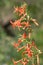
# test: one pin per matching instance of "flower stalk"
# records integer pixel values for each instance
(28, 54)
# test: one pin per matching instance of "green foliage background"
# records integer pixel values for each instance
(6, 12)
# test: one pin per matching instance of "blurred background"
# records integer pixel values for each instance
(8, 35)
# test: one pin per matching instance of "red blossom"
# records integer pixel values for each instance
(16, 9)
(16, 23)
(12, 23)
(14, 62)
(26, 24)
(29, 51)
(33, 44)
(24, 61)
(19, 40)
(24, 35)
(15, 45)
(21, 10)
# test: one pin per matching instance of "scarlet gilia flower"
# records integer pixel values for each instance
(16, 23)
(24, 35)
(21, 10)
(30, 54)
(12, 23)
(14, 62)
(33, 44)
(19, 40)
(29, 51)
(24, 61)
(16, 9)
(16, 45)
(25, 24)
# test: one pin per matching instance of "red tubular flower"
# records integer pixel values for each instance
(15, 45)
(21, 11)
(14, 62)
(13, 24)
(24, 35)
(33, 44)
(25, 24)
(16, 23)
(24, 61)
(16, 9)
(30, 54)
(19, 40)
(29, 51)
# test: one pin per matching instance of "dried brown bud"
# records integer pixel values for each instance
(35, 22)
